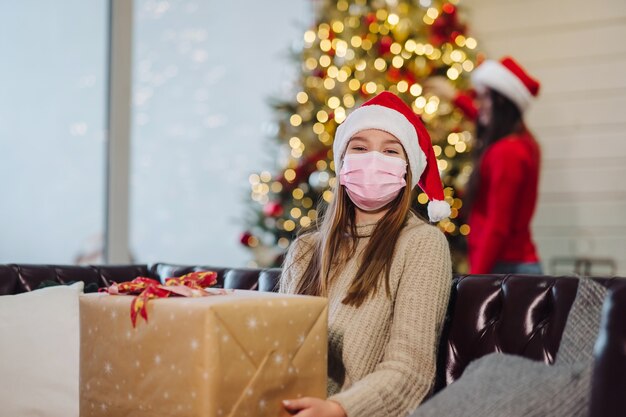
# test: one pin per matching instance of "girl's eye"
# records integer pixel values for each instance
(358, 148)
(392, 151)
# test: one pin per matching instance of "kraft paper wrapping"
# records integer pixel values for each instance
(225, 355)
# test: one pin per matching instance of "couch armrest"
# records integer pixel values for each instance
(608, 388)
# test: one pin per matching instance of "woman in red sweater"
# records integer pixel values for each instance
(502, 190)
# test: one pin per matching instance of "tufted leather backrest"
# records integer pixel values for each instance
(269, 279)
(15, 279)
(518, 314)
(232, 278)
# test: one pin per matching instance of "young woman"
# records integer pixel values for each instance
(503, 187)
(386, 272)
(502, 190)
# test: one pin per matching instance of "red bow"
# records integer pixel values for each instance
(189, 285)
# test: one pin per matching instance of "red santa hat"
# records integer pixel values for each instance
(508, 78)
(389, 113)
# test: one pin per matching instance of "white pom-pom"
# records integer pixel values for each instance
(438, 210)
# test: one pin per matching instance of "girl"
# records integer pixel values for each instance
(502, 190)
(503, 186)
(386, 272)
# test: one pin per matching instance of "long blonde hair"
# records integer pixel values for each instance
(336, 242)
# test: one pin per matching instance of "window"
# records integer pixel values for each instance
(53, 75)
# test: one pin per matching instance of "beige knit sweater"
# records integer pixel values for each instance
(382, 355)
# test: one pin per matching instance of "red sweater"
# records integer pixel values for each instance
(501, 214)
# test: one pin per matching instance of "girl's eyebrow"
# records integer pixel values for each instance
(392, 141)
(358, 138)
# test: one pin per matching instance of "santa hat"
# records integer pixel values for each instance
(508, 78)
(389, 113)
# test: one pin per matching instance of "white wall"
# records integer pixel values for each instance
(577, 49)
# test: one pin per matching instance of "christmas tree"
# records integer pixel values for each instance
(355, 50)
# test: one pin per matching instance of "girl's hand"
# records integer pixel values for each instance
(313, 407)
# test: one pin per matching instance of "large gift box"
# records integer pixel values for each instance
(232, 355)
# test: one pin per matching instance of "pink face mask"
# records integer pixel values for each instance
(372, 179)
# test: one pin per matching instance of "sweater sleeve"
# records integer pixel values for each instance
(406, 373)
(504, 171)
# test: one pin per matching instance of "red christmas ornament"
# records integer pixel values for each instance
(448, 8)
(245, 238)
(394, 74)
(319, 73)
(273, 209)
(370, 18)
(385, 45)
(447, 26)
(410, 78)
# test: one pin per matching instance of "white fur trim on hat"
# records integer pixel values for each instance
(385, 119)
(438, 210)
(496, 76)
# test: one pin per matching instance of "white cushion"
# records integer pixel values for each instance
(39, 352)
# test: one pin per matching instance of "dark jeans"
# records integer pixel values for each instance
(530, 268)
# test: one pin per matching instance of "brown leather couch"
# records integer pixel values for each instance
(517, 314)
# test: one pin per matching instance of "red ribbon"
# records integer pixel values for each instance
(144, 289)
